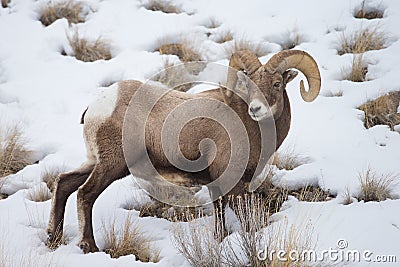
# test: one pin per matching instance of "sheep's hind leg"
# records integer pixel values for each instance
(102, 176)
(66, 184)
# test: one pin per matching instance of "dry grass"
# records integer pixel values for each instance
(50, 174)
(73, 11)
(288, 159)
(295, 38)
(197, 241)
(183, 50)
(200, 244)
(224, 37)
(382, 111)
(377, 187)
(243, 44)
(363, 40)
(179, 200)
(39, 193)
(363, 12)
(163, 6)
(213, 23)
(128, 240)
(87, 50)
(347, 197)
(174, 76)
(14, 155)
(357, 72)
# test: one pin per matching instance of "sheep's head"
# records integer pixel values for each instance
(255, 82)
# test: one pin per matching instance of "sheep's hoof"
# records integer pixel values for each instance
(86, 247)
(53, 241)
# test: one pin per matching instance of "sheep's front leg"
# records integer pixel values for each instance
(102, 176)
(66, 184)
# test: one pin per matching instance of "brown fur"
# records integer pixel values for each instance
(106, 162)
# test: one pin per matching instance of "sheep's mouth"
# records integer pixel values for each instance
(259, 117)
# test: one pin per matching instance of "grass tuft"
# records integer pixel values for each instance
(382, 111)
(128, 240)
(87, 50)
(163, 6)
(377, 187)
(243, 44)
(71, 10)
(362, 41)
(49, 176)
(357, 72)
(294, 39)
(224, 37)
(14, 156)
(183, 50)
(364, 12)
(288, 159)
(39, 193)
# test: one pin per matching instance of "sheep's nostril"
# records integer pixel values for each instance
(255, 109)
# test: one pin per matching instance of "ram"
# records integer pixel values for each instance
(103, 128)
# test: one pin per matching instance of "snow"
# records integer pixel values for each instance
(46, 93)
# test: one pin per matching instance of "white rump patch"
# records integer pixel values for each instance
(104, 106)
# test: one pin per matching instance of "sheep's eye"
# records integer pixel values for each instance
(277, 85)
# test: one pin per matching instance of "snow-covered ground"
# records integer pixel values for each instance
(46, 93)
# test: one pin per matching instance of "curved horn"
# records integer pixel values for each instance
(302, 61)
(241, 60)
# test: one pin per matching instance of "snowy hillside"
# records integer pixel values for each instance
(44, 89)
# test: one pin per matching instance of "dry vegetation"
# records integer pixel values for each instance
(200, 244)
(224, 37)
(243, 44)
(295, 38)
(183, 50)
(14, 155)
(88, 50)
(49, 175)
(377, 187)
(382, 111)
(174, 76)
(288, 159)
(71, 10)
(362, 41)
(369, 13)
(39, 193)
(163, 6)
(357, 72)
(128, 239)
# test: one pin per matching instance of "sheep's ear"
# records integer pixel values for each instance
(289, 75)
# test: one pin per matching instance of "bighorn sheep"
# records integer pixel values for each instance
(103, 131)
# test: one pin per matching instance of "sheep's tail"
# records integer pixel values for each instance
(83, 116)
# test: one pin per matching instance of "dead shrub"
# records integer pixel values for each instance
(39, 193)
(128, 239)
(375, 186)
(71, 10)
(382, 111)
(363, 40)
(49, 176)
(163, 6)
(243, 44)
(358, 70)
(14, 156)
(365, 12)
(87, 50)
